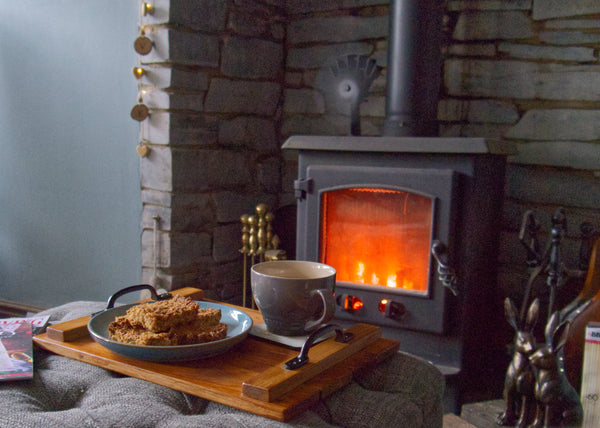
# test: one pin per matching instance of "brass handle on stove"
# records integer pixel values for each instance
(445, 272)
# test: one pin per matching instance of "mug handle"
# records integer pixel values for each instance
(328, 308)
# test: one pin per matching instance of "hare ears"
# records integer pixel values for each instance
(530, 320)
(511, 313)
(557, 334)
(532, 314)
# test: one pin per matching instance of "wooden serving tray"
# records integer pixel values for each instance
(250, 376)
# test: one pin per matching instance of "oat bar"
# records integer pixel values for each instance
(178, 321)
(160, 316)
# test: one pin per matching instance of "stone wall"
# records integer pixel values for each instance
(524, 71)
(213, 83)
(528, 72)
(227, 81)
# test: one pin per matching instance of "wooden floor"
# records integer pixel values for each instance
(480, 415)
(453, 421)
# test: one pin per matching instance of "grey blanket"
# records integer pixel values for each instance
(404, 391)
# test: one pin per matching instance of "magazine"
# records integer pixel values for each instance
(16, 346)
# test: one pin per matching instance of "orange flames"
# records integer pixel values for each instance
(377, 237)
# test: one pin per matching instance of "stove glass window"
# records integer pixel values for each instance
(377, 237)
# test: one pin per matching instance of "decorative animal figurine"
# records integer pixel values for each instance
(520, 381)
(558, 403)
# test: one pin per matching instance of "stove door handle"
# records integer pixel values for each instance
(445, 272)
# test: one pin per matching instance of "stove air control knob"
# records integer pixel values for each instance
(349, 303)
(393, 310)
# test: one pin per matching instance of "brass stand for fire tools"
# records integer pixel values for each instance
(259, 243)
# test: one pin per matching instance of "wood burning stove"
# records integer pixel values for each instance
(411, 226)
(411, 221)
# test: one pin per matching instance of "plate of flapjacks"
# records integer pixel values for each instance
(172, 330)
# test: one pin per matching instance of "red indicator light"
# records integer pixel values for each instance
(356, 303)
(349, 303)
(382, 305)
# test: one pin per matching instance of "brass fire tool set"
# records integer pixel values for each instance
(259, 243)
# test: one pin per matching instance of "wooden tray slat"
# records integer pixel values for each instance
(277, 380)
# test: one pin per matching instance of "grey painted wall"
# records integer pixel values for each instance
(69, 173)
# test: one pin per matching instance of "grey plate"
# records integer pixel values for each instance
(238, 326)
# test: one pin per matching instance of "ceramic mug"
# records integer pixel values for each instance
(293, 296)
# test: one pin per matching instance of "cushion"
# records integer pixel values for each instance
(402, 391)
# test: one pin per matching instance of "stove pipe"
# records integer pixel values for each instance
(414, 68)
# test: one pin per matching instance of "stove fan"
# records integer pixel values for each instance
(352, 77)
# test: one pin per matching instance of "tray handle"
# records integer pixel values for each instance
(155, 296)
(302, 358)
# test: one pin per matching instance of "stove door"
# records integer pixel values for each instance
(378, 237)
(376, 225)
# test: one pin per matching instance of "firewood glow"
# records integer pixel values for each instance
(377, 237)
